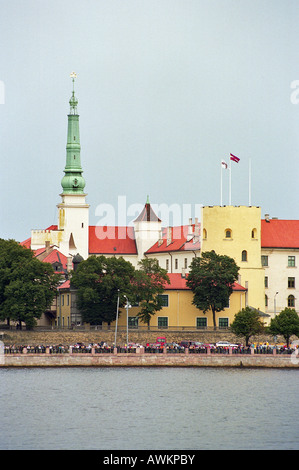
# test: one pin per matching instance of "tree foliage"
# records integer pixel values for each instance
(98, 281)
(286, 323)
(27, 285)
(247, 323)
(211, 280)
(150, 282)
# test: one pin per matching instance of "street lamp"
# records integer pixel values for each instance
(127, 307)
(116, 316)
(275, 304)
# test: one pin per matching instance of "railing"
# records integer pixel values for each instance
(95, 349)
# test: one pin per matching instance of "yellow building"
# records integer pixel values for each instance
(64, 302)
(236, 232)
(179, 312)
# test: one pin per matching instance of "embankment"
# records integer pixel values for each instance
(149, 360)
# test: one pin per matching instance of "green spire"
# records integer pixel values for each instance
(73, 181)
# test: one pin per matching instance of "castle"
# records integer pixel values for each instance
(265, 250)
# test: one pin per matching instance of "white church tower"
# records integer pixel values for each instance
(73, 211)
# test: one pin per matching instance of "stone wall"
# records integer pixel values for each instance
(68, 337)
(149, 360)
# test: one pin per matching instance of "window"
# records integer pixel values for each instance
(186, 263)
(163, 322)
(167, 264)
(291, 301)
(291, 261)
(133, 323)
(266, 281)
(68, 299)
(265, 260)
(201, 323)
(176, 263)
(164, 299)
(254, 233)
(266, 301)
(291, 282)
(244, 255)
(223, 322)
(204, 234)
(228, 233)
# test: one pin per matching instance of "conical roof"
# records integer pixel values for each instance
(147, 214)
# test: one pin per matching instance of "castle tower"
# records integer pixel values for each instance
(236, 232)
(73, 217)
(147, 228)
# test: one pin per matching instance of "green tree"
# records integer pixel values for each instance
(211, 280)
(247, 323)
(98, 281)
(150, 282)
(27, 285)
(286, 323)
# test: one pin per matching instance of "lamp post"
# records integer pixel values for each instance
(116, 316)
(127, 307)
(275, 304)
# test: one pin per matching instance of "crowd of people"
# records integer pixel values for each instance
(103, 347)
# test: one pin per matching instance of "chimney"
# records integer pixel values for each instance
(190, 230)
(160, 241)
(196, 231)
(47, 245)
(267, 217)
(169, 236)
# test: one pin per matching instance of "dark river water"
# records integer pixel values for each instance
(149, 408)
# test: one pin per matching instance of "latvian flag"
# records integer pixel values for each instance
(234, 158)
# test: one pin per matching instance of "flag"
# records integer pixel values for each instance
(234, 158)
(224, 164)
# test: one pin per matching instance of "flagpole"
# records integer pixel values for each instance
(249, 183)
(221, 183)
(230, 182)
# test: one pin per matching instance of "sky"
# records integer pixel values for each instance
(167, 89)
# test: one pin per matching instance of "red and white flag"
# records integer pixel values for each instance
(224, 164)
(234, 158)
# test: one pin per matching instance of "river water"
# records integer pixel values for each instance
(149, 408)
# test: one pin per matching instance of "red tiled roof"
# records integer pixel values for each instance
(26, 243)
(56, 256)
(177, 282)
(112, 240)
(179, 241)
(65, 285)
(280, 233)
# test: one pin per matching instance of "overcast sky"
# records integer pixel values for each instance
(166, 89)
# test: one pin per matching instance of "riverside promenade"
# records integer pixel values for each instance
(142, 359)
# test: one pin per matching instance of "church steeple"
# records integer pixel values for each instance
(73, 181)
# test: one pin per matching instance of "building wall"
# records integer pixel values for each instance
(278, 273)
(180, 311)
(174, 262)
(74, 220)
(244, 225)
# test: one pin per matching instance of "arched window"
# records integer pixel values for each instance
(291, 301)
(204, 234)
(266, 301)
(244, 255)
(228, 233)
(254, 233)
